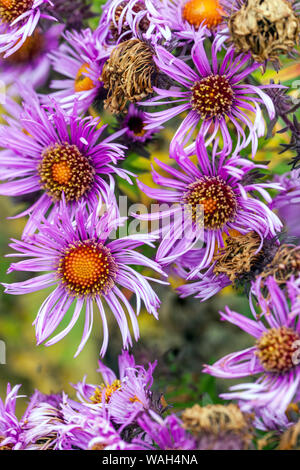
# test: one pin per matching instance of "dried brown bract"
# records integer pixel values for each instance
(129, 74)
(238, 256)
(286, 263)
(266, 28)
(219, 426)
(290, 440)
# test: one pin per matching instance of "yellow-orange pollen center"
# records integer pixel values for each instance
(212, 96)
(88, 268)
(215, 197)
(12, 9)
(199, 11)
(108, 391)
(276, 349)
(64, 169)
(82, 81)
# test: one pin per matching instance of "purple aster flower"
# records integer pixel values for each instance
(88, 269)
(287, 202)
(213, 94)
(57, 153)
(125, 397)
(274, 358)
(168, 433)
(19, 18)
(43, 421)
(81, 60)
(220, 189)
(186, 18)
(84, 430)
(10, 427)
(30, 63)
(133, 125)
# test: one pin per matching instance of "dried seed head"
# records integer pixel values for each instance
(219, 426)
(266, 28)
(129, 74)
(238, 256)
(290, 440)
(285, 264)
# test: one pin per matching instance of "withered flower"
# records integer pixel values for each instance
(266, 28)
(290, 440)
(129, 74)
(219, 427)
(285, 264)
(242, 259)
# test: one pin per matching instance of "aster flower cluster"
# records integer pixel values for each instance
(120, 414)
(85, 103)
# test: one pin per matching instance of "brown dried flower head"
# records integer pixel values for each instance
(290, 440)
(266, 28)
(129, 74)
(285, 264)
(238, 256)
(219, 426)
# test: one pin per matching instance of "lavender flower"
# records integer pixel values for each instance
(123, 397)
(81, 60)
(88, 269)
(60, 154)
(216, 185)
(186, 18)
(274, 357)
(168, 433)
(125, 19)
(213, 94)
(10, 427)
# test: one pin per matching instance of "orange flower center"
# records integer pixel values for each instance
(61, 172)
(207, 11)
(82, 81)
(64, 169)
(215, 197)
(12, 9)
(88, 268)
